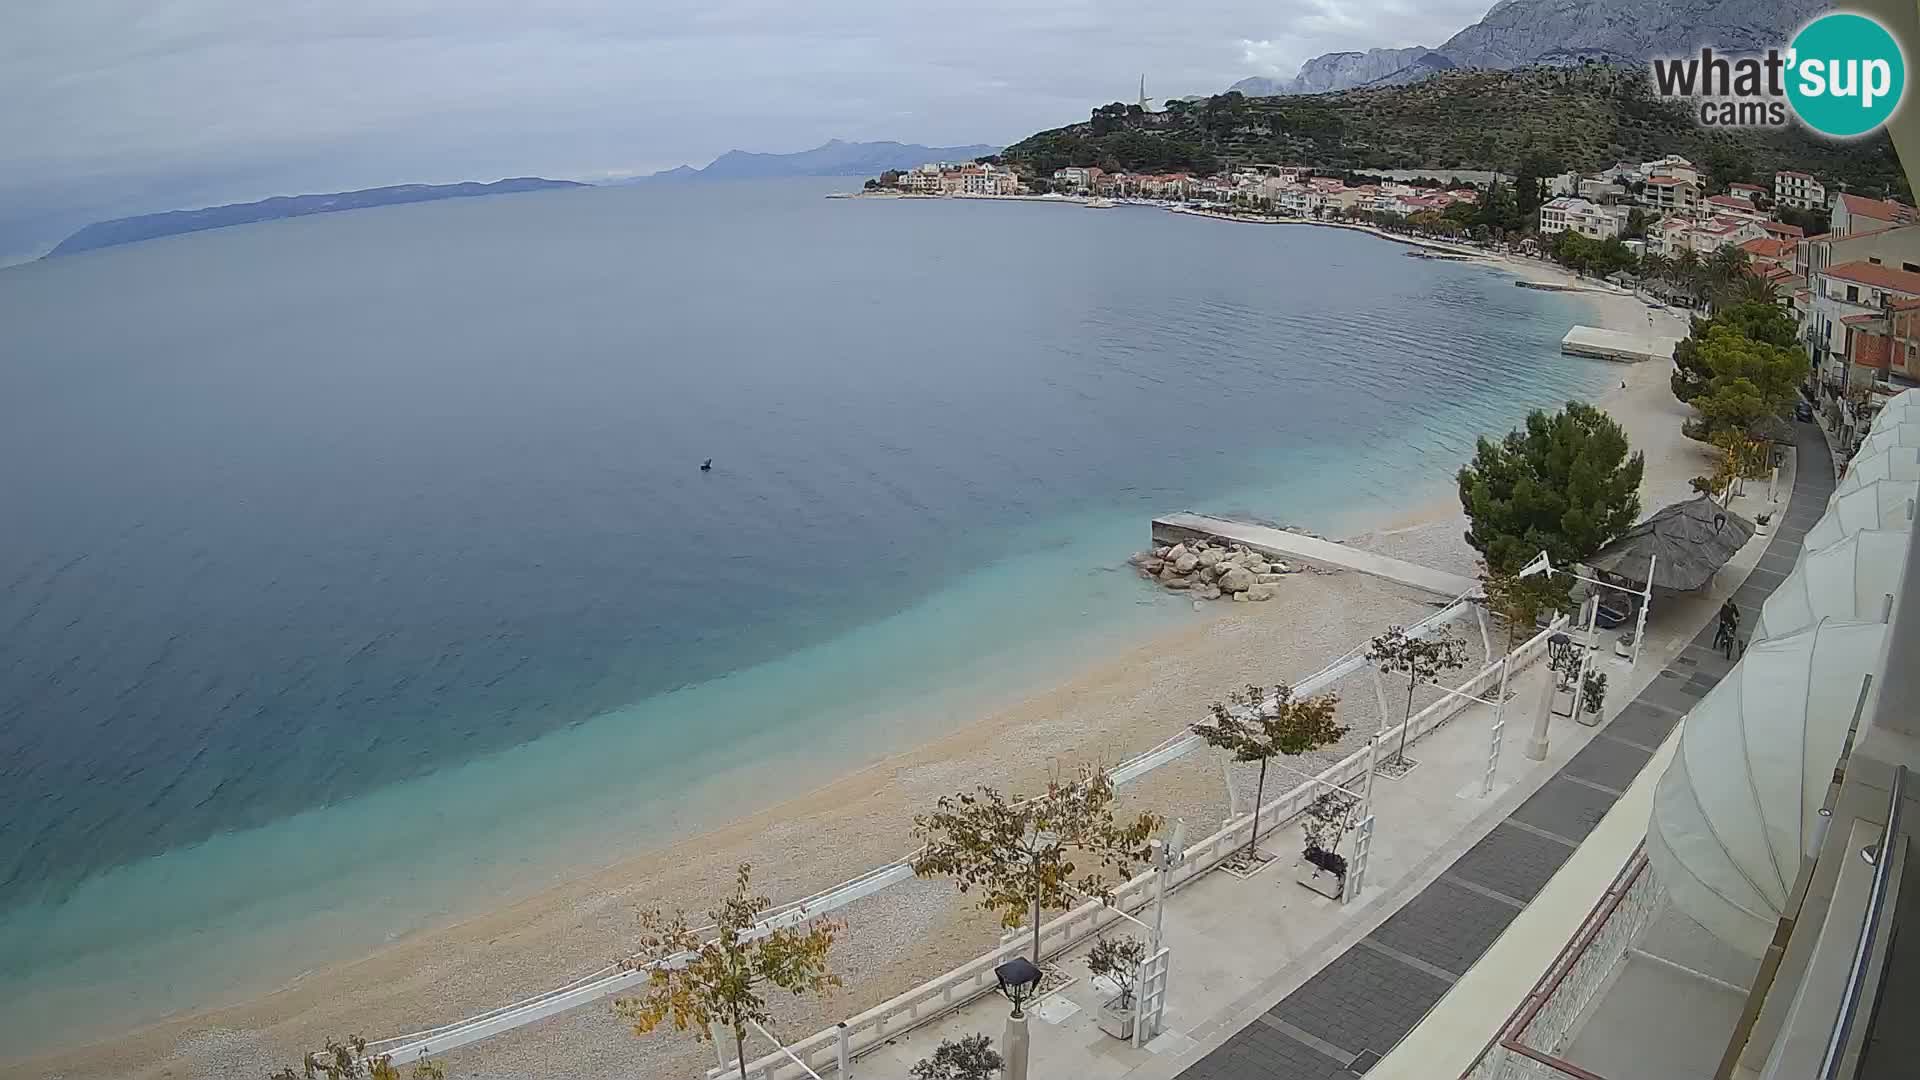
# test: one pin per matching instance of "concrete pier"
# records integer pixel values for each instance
(1296, 548)
(1614, 345)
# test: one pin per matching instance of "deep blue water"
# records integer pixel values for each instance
(329, 537)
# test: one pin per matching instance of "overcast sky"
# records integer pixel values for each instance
(126, 102)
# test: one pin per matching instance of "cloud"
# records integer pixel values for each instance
(306, 94)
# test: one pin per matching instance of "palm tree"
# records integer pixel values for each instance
(1688, 275)
(1726, 265)
(1655, 267)
(1751, 287)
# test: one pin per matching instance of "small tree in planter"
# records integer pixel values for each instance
(1325, 824)
(1594, 692)
(1253, 728)
(1420, 659)
(349, 1061)
(721, 982)
(1019, 853)
(1116, 962)
(970, 1057)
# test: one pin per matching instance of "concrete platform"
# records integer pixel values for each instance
(1294, 547)
(1614, 345)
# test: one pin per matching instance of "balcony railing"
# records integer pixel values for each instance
(1544, 1024)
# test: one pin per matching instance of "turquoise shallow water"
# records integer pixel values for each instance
(364, 569)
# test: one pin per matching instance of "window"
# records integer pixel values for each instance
(1853, 294)
(1911, 268)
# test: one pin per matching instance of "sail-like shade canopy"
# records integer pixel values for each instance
(1886, 438)
(1902, 408)
(1896, 463)
(1736, 810)
(1848, 581)
(1882, 504)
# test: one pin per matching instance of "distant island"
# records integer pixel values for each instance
(130, 230)
(834, 157)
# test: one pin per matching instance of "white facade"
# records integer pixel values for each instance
(1567, 214)
(1799, 189)
(1671, 195)
(1674, 166)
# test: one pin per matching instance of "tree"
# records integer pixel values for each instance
(1636, 225)
(1516, 600)
(1748, 380)
(1760, 321)
(348, 1061)
(1253, 727)
(1020, 853)
(722, 981)
(970, 1057)
(1565, 484)
(1116, 960)
(1420, 659)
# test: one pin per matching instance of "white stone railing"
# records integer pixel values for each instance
(935, 998)
(1543, 1025)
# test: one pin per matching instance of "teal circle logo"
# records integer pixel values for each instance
(1846, 74)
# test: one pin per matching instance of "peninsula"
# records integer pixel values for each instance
(130, 230)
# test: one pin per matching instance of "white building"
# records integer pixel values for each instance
(1569, 214)
(1799, 189)
(1844, 290)
(1731, 206)
(1673, 166)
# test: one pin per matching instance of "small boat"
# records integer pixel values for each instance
(1099, 204)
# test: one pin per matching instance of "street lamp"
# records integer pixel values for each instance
(1019, 980)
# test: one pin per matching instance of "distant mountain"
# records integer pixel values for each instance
(831, 158)
(1523, 33)
(1335, 71)
(129, 230)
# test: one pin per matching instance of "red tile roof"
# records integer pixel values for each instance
(1767, 247)
(1877, 209)
(1880, 277)
(1781, 228)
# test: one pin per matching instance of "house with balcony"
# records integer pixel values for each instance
(1838, 293)
(1670, 195)
(1798, 189)
(1883, 349)
(1078, 177)
(1731, 206)
(1752, 193)
(1570, 214)
(1672, 167)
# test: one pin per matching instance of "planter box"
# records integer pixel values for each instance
(1623, 648)
(1320, 881)
(1116, 1021)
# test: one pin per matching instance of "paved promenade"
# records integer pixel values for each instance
(1343, 1019)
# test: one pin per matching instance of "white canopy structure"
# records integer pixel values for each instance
(1881, 504)
(1905, 433)
(1737, 810)
(1898, 463)
(1847, 582)
(1902, 408)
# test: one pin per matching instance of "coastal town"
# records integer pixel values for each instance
(1845, 265)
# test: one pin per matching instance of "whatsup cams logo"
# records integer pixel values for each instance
(1843, 75)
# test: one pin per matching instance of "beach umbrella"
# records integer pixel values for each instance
(1739, 806)
(1881, 504)
(1688, 541)
(1890, 436)
(1894, 463)
(1848, 581)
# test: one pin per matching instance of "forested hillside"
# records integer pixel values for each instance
(1584, 117)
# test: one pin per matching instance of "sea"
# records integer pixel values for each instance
(358, 571)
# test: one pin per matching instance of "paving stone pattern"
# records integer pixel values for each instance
(1370, 996)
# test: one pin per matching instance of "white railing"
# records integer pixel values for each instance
(1528, 1045)
(939, 996)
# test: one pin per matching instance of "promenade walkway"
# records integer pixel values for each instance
(1270, 980)
(1343, 1018)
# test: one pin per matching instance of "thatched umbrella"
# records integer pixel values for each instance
(1689, 541)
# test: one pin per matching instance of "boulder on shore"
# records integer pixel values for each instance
(1210, 557)
(1255, 565)
(1186, 562)
(1237, 579)
(1177, 581)
(1259, 592)
(1209, 592)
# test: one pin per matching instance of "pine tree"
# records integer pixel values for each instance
(1565, 484)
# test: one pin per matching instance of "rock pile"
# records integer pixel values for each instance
(1210, 570)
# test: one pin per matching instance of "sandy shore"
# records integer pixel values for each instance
(1104, 711)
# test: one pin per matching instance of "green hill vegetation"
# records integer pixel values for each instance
(1584, 117)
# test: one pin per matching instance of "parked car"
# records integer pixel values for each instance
(1803, 412)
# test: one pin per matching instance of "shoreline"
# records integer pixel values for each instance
(1106, 707)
